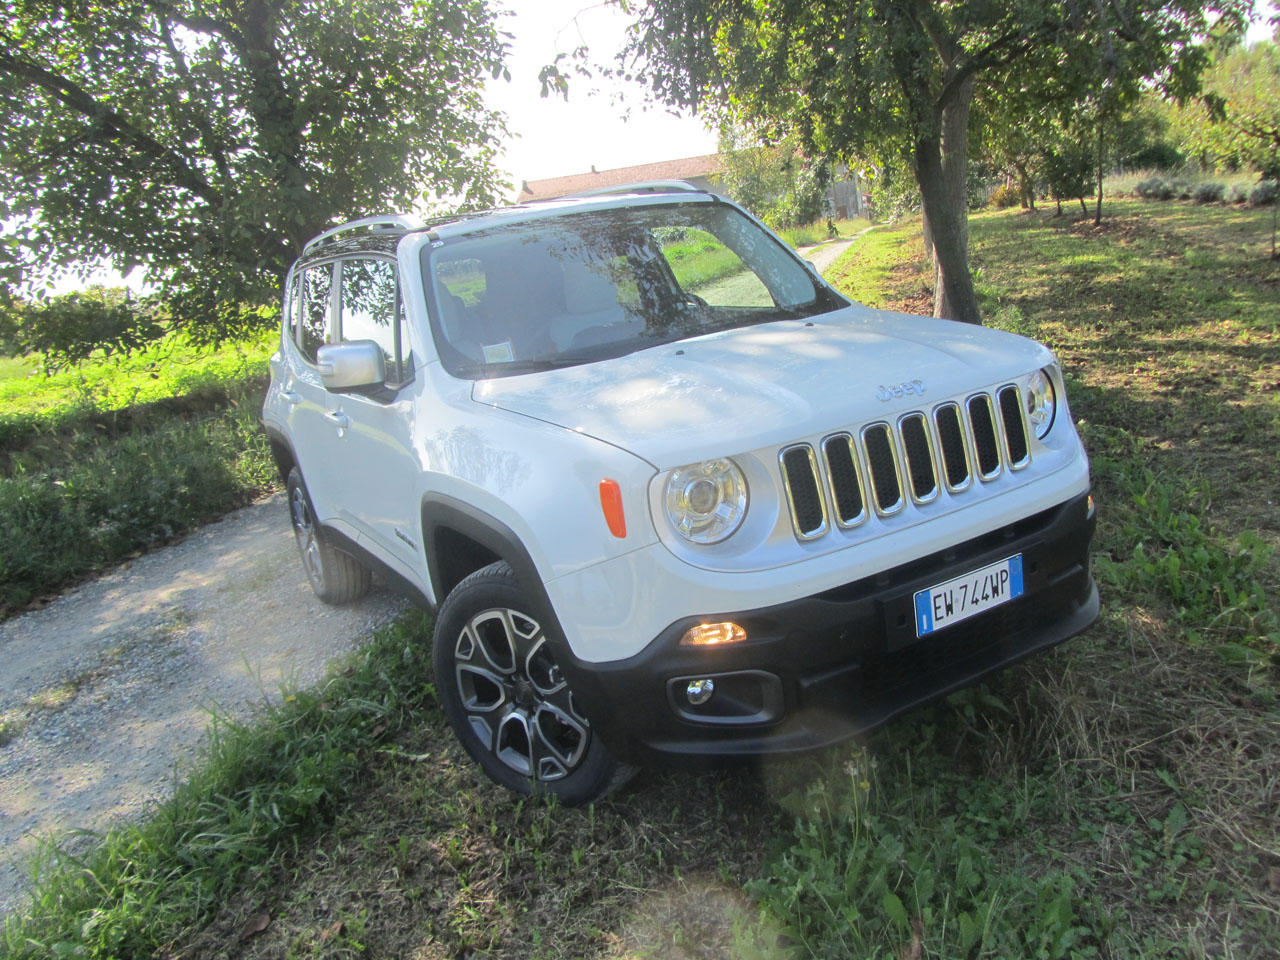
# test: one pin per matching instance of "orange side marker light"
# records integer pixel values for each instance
(611, 504)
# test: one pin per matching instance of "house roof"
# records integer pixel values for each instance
(578, 182)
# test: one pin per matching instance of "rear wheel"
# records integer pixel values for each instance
(336, 577)
(506, 698)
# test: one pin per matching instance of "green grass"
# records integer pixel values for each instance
(39, 404)
(698, 261)
(818, 232)
(16, 368)
(1114, 798)
(106, 499)
(104, 460)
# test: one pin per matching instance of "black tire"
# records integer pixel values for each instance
(506, 699)
(336, 577)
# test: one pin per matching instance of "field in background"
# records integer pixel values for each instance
(100, 461)
(1115, 798)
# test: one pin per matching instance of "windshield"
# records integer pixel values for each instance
(582, 287)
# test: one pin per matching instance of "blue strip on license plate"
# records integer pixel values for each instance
(963, 597)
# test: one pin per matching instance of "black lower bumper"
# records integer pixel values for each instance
(821, 669)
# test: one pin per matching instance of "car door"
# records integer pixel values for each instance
(377, 488)
(311, 417)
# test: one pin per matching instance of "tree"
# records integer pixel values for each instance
(773, 182)
(861, 78)
(1239, 124)
(206, 140)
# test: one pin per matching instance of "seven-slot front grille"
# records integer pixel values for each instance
(915, 458)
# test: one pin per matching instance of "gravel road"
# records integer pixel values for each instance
(112, 685)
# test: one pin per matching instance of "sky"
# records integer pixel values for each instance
(555, 138)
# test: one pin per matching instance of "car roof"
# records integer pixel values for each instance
(384, 233)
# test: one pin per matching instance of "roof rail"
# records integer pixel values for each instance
(392, 223)
(645, 186)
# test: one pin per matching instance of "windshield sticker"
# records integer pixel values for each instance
(499, 352)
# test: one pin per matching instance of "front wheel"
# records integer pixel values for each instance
(506, 699)
(335, 577)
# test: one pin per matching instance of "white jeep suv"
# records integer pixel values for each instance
(670, 495)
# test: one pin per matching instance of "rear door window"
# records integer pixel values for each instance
(314, 325)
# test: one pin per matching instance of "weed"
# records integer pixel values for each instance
(121, 496)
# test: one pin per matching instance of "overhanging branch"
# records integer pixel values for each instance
(110, 123)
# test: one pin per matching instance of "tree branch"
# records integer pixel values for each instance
(207, 134)
(995, 54)
(201, 24)
(109, 121)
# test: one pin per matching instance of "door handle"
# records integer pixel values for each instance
(290, 397)
(338, 419)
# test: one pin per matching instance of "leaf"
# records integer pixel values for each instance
(255, 925)
(331, 931)
(1176, 822)
(894, 909)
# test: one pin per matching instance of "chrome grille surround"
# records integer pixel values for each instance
(882, 468)
(1013, 424)
(982, 421)
(847, 483)
(947, 418)
(793, 476)
(922, 460)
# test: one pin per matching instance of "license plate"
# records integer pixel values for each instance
(963, 597)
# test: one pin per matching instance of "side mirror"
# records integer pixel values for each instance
(351, 365)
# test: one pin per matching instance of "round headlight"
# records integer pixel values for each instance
(1042, 403)
(706, 501)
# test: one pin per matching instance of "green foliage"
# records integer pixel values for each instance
(72, 328)
(101, 395)
(697, 260)
(1162, 550)
(207, 143)
(1238, 123)
(903, 849)
(1005, 195)
(258, 790)
(1155, 188)
(878, 82)
(1068, 168)
(773, 182)
(1265, 193)
(103, 500)
(1209, 192)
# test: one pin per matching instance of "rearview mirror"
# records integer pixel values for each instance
(351, 365)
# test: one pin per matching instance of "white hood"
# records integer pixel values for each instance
(766, 385)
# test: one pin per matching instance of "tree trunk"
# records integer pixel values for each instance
(926, 232)
(1059, 213)
(944, 162)
(1024, 191)
(1097, 217)
(953, 297)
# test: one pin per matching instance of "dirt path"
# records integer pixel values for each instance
(109, 688)
(823, 255)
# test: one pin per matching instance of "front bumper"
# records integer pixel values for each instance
(820, 669)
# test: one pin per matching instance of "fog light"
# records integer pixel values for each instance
(706, 634)
(700, 691)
